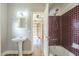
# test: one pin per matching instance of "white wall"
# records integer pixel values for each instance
(3, 26)
(0, 29)
(46, 30)
(12, 32)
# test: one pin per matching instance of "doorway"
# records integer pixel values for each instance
(38, 33)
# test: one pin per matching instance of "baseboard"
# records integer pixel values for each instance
(15, 52)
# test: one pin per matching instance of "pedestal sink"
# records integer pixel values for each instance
(19, 40)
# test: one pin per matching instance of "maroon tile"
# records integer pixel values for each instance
(69, 30)
(65, 29)
(54, 30)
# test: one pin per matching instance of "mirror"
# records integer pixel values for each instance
(22, 19)
(22, 22)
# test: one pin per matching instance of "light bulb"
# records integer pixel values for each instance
(22, 14)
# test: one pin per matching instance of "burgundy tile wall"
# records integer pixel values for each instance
(65, 29)
(70, 29)
(54, 30)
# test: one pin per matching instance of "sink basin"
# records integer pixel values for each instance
(18, 39)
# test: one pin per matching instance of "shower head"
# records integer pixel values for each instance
(56, 11)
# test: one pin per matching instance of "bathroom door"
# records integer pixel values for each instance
(37, 33)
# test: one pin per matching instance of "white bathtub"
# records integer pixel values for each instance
(59, 51)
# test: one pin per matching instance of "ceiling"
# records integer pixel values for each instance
(63, 7)
(57, 5)
(35, 7)
(40, 7)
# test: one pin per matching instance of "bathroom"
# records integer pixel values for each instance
(58, 34)
(12, 28)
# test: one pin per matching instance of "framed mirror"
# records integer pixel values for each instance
(22, 19)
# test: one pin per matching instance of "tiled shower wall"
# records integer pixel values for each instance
(70, 29)
(64, 30)
(54, 30)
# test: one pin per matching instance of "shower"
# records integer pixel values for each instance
(56, 12)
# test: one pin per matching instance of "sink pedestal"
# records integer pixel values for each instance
(20, 48)
(19, 40)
